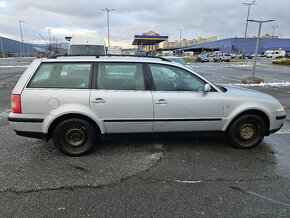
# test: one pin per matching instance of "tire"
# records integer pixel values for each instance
(75, 137)
(247, 131)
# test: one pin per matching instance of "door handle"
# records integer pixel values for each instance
(98, 100)
(161, 101)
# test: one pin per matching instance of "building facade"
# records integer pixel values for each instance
(188, 42)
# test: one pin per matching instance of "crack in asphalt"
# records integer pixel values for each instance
(195, 181)
(157, 155)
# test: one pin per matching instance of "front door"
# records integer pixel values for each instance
(180, 103)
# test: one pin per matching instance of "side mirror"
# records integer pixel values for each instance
(207, 88)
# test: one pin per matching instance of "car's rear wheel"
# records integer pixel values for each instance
(75, 137)
(247, 131)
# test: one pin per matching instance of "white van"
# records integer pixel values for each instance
(114, 50)
(87, 45)
(276, 54)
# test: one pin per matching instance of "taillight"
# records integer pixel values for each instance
(16, 104)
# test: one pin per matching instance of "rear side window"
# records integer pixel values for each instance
(120, 76)
(62, 75)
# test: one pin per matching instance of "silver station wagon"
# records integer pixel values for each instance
(75, 100)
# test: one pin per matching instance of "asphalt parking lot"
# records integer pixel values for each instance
(161, 176)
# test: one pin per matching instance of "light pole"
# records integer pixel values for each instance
(50, 48)
(257, 42)
(180, 31)
(249, 8)
(108, 22)
(22, 45)
(2, 50)
(274, 27)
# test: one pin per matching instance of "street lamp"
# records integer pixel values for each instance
(22, 45)
(249, 7)
(180, 31)
(257, 42)
(108, 22)
(50, 49)
(274, 27)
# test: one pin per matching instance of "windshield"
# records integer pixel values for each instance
(87, 50)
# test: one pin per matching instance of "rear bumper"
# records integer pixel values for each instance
(35, 135)
(25, 120)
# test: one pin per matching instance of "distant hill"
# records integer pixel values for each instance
(12, 47)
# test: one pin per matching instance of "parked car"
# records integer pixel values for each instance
(202, 58)
(75, 100)
(249, 56)
(276, 54)
(141, 53)
(220, 57)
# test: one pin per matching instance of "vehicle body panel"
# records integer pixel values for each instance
(195, 107)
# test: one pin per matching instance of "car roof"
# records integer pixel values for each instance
(109, 58)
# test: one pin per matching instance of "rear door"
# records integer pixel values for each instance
(121, 97)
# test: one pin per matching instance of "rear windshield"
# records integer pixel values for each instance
(87, 50)
(62, 75)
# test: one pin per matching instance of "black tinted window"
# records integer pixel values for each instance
(120, 76)
(62, 75)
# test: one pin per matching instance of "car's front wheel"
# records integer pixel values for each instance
(247, 131)
(75, 137)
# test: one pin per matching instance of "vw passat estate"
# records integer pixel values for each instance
(74, 100)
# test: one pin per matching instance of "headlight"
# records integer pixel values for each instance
(280, 107)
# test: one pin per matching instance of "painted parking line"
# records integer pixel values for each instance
(283, 131)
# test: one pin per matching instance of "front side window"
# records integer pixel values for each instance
(120, 76)
(62, 75)
(169, 78)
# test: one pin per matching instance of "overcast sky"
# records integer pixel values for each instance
(222, 18)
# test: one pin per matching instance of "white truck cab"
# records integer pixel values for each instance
(87, 45)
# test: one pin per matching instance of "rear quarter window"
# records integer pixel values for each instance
(62, 75)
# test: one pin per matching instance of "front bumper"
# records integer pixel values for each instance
(277, 121)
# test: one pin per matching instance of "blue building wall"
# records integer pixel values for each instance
(245, 45)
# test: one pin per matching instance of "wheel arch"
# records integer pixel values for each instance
(256, 112)
(61, 118)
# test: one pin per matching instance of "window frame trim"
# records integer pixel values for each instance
(213, 89)
(96, 72)
(63, 62)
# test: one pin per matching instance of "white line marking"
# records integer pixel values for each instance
(188, 182)
(274, 84)
(283, 131)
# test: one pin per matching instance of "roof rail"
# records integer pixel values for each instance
(138, 56)
(108, 55)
